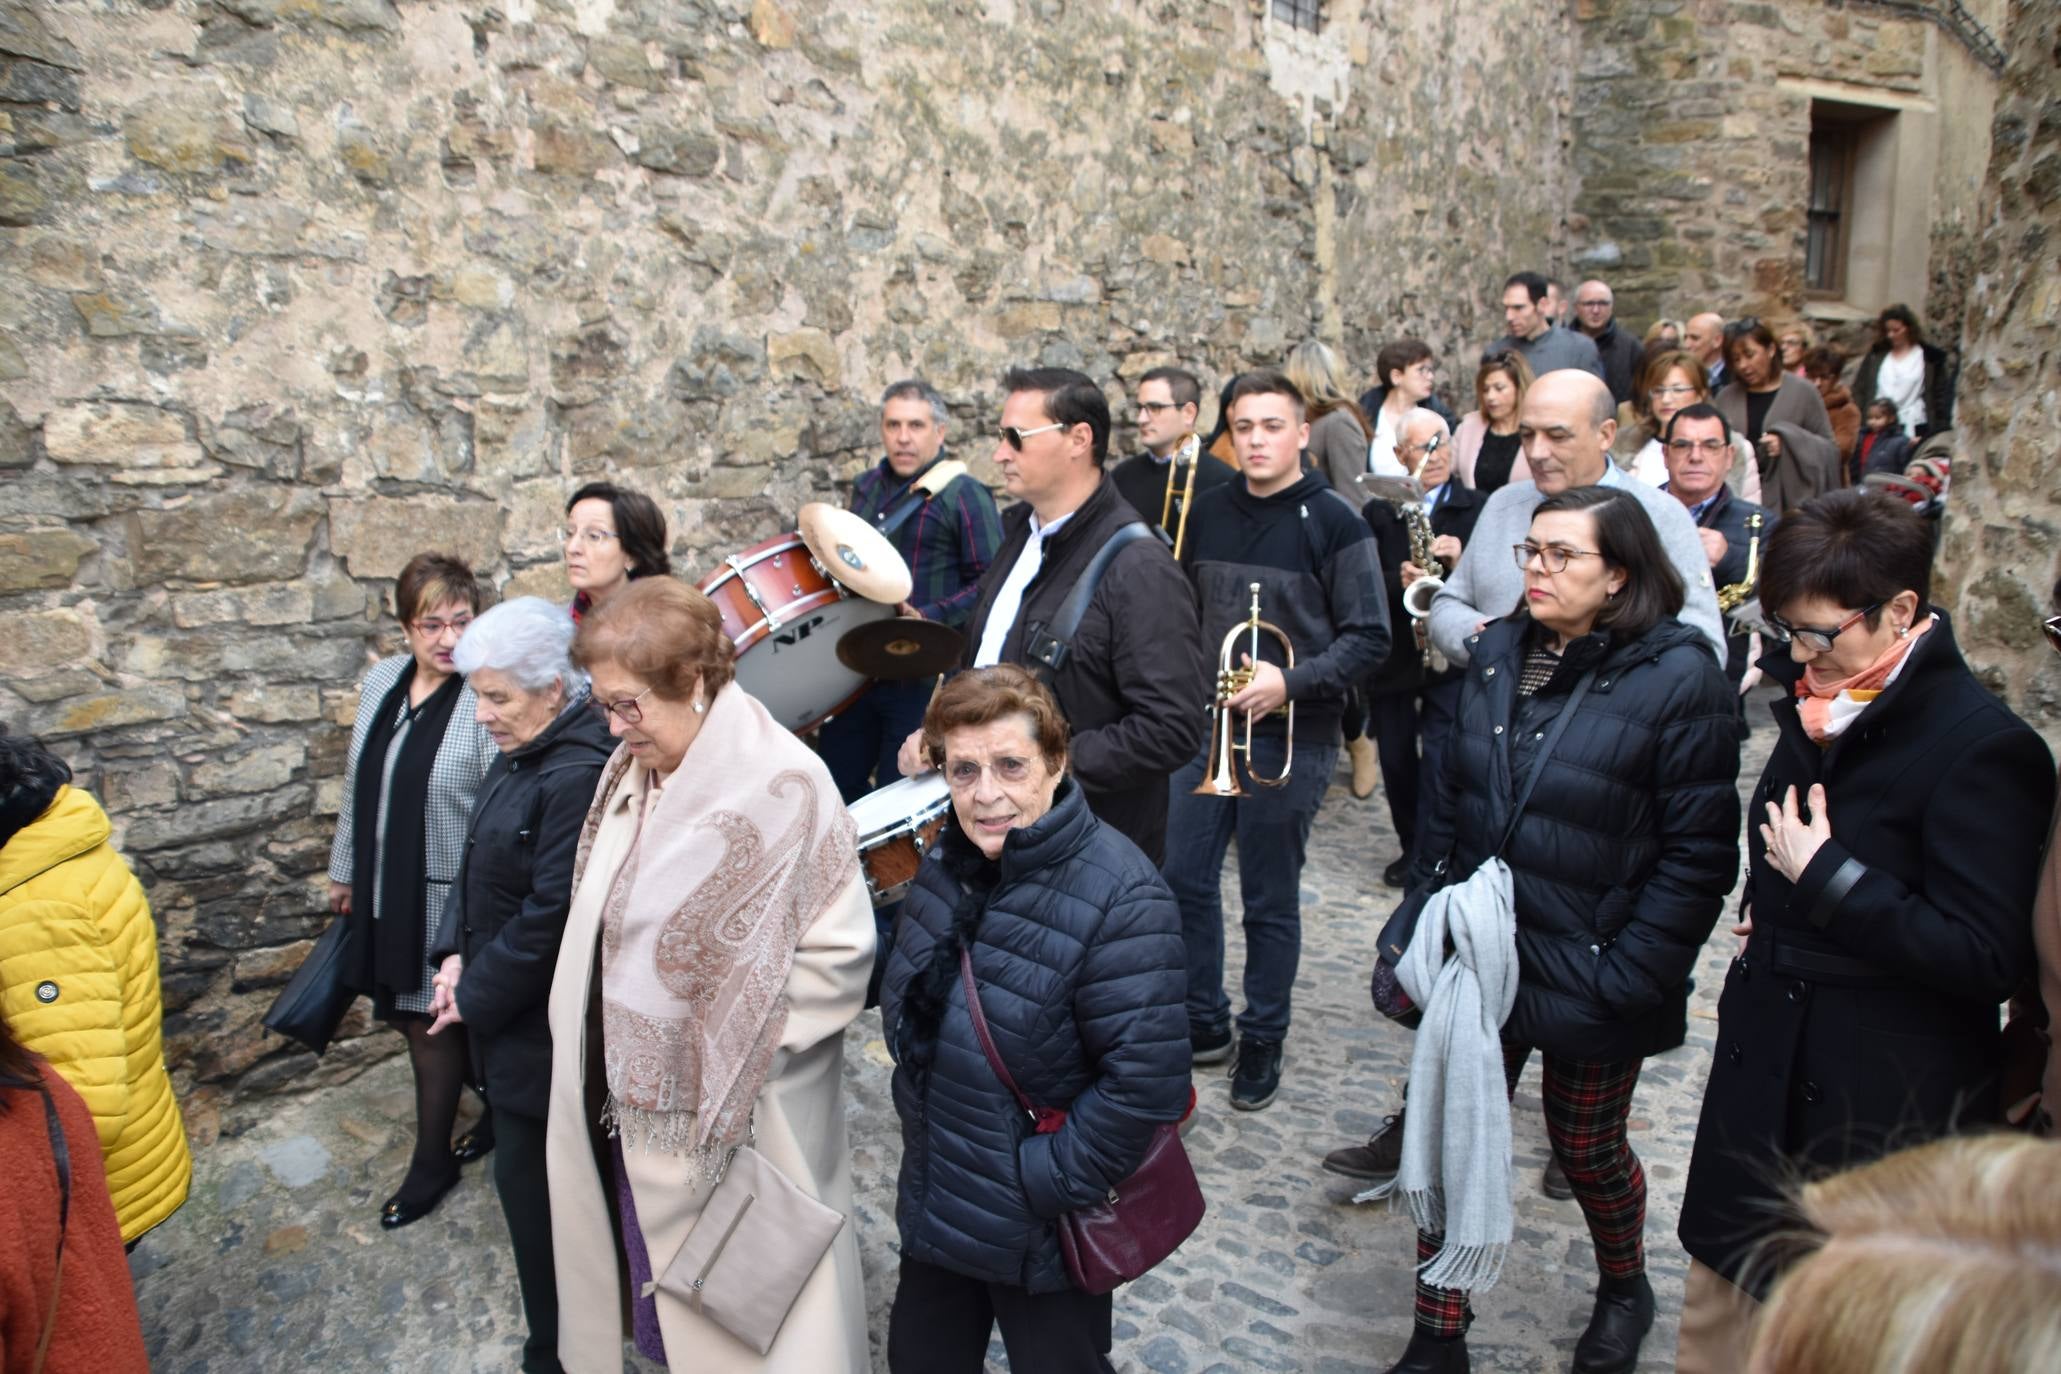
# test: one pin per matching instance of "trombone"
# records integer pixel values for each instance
(1189, 454)
(1231, 680)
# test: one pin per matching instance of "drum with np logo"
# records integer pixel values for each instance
(785, 616)
(897, 826)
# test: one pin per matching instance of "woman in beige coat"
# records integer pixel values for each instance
(719, 914)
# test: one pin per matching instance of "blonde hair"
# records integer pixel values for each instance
(1942, 1257)
(1659, 327)
(1316, 372)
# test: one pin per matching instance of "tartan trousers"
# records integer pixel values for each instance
(1586, 1109)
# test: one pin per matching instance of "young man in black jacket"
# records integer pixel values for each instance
(1320, 583)
(1131, 680)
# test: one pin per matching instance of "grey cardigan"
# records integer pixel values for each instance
(1809, 464)
(1488, 586)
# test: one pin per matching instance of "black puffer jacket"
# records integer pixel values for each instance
(1082, 976)
(1622, 860)
(508, 904)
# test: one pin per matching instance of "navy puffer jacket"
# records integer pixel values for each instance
(1621, 862)
(1082, 976)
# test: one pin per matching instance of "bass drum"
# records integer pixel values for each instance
(784, 617)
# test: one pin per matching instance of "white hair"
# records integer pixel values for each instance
(1417, 415)
(529, 638)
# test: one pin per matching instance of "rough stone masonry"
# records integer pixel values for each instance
(293, 289)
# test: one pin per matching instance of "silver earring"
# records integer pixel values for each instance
(1901, 631)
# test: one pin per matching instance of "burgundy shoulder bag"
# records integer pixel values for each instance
(1143, 1220)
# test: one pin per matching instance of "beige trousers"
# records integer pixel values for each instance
(1717, 1324)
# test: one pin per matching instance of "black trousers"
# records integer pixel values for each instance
(941, 1322)
(519, 1178)
(1392, 717)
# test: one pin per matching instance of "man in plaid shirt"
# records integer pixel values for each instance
(943, 523)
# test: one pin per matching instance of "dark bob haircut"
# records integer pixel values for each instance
(1626, 538)
(1071, 398)
(1265, 381)
(1754, 329)
(1851, 547)
(638, 526)
(1400, 356)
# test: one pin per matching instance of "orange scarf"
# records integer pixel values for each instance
(1828, 705)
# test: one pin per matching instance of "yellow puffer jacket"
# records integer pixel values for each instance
(78, 984)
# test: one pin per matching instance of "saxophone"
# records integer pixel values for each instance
(1732, 595)
(1406, 495)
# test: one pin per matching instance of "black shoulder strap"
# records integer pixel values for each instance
(913, 499)
(1538, 762)
(1048, 653)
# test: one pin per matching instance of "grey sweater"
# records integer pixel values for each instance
(1488, 586)
(1551, 351)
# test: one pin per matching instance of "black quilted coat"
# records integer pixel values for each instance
(1078, 957)
(1622, 860)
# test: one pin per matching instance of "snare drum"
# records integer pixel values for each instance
(897, 826)
(784, 616)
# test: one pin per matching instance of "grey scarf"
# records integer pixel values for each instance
(1455, 1176)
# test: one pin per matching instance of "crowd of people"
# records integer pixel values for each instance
(585, 873)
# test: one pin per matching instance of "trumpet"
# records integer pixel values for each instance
(1406, 494)
(1189, 454)
(1231, 680)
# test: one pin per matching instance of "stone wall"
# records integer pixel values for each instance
(1692, 132)
(2002, 551)
(292, 289)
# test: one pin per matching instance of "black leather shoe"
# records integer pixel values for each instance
(1623, 1316)
(1553, 1183)
(413, 1204)
(1377, 1160)
(1431, 1355)
(474, 1144)
(1396, 873)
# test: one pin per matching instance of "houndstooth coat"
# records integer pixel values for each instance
(462, 760)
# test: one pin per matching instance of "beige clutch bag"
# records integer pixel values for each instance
(755, 1244)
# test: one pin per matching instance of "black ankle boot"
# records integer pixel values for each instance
(1623, 1316)
(1428, 1354)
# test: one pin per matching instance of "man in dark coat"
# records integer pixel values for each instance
(1595, 312)
(1131, 680)
(1698, 449)
(1312, 559)
(1152, 482)
(1861, 1016)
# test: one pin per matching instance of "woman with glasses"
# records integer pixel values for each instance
(1795, 342)
(1073, 944)
(497, 940)
(717, 945)
(1671, 383)
(1782, 417)
(1486, 454)
(417, 756)
(1619, 862)
(1893, 845)
(612, 537)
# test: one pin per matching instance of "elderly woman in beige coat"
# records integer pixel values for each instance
(718, 945)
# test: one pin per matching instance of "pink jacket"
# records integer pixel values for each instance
(1467, 447)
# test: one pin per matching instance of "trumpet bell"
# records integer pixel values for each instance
(1418, 596)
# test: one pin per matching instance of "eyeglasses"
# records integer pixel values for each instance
(1427, 448)
(1014, 437)
(1710, 448)
(1662, 393)
(1592, 305)
(1811, 637)
(434, 628)
(1552, 557)
(1149, 407)
(2052, 626)
(627, 711)
(965, 773)
(590, 537)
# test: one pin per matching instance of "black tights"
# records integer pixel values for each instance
(440, 1063)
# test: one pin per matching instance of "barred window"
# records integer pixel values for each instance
(1302, 14)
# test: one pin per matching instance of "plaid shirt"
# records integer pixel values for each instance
(947, 544)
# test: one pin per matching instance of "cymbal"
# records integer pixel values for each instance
(900, 648)
(855, 554)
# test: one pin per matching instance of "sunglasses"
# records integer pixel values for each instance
(2052, 628)
(1813, 638)
(1014, 437)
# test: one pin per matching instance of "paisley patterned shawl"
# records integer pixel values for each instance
(734, 859)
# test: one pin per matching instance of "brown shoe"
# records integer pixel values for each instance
(1366, 772)
(1377, 1160)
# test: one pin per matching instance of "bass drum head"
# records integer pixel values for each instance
(794, 671)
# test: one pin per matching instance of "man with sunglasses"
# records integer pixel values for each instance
(1168, 401)
(1319, 578)
(1130, 676)
(1697, 446)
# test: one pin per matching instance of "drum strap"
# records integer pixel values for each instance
(931, 483)
(1047, 650)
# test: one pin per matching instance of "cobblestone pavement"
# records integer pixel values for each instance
(278, 1261)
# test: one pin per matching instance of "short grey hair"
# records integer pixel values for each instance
(528, 638)
(1418, 415)
(916, 389)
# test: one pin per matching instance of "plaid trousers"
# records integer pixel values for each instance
(1586, 1109)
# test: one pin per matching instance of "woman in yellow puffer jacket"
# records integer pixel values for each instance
(78, 978)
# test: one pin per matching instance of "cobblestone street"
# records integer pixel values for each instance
(278, 1261)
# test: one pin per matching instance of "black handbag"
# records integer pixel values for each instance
(314, 1001)
(1401, 927)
